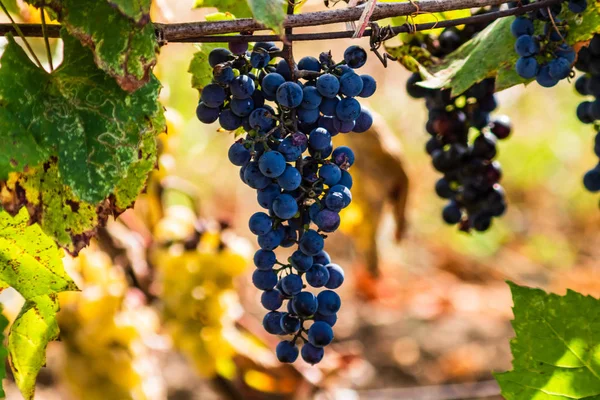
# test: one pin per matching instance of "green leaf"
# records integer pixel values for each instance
(77, 114)
(556, 349)
(70, 221)
(238, 8)
(269, 12)
(491, 53)
(3, 350)
(29, 336)
(30, 262)
(123, 49)
(136, 10)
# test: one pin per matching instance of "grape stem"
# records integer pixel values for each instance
(200, 32)
(287, 52)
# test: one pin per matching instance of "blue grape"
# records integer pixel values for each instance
(264, 280)
(242, 107)
(331, 174)
(229, 121)
(565, 51)
(262, 119)
(348, 109)
(346, 179)
(219, 56)
(213, 95)
(224, 76)
(238, 154)
(308, 116)
(290, 323)
(309, 64)
(283, 69)
(254, 178)
(259, 59)
(452, 213)
(544, 79)
(336, 276)
(319, 139)
(311, 354)
(242, 87)
(527, 67)
(577, 6)
(317, 276)
(351, 84)
(285, 206)
(260, 223)
(271, 83)
(329, 302)
(271, 240)
(289, 95)
(290, 179)
(320, 334)
(328, 220)
(272, 323)
(521, 26)
(343, 126)
(355, 57)
(334, 201)
(305, 304)
(311, 98)
(272, 164)
(364, 121)
(346, 194)
(559, 68)
(286, 351)
(322, 258)
(289, 151)
(328, 85)
(207, 115)
(343, 156)
(271, 300)
(292, 284)
(300, 261)
(267, 196)
(527, 46)
(264, 259)
(369, 86)
(591, 180)
(328, 105)
(311, 243)
(238, 47)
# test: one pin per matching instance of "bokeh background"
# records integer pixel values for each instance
(168, 310)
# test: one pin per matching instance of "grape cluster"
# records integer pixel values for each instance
(547, 57)
(588, 112)
(471, 176)
(303, 183)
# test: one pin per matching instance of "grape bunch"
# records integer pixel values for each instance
(302, 181)
(547, 57)
(471, 176)
(471, 181)
(588, 112)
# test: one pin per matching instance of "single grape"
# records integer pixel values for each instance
(264, 259)
(309, 64)
(272, 323)
(242, 107)
(219, 56)
(320, 334)
(207, 115)
(364, 121)
(355, 57)
(271, 300)
(289, 95)
(311, 243)
(527, 67)
(260, 223)
(242, 87)
(305, 304)
(213, 95)
(328, 85)
(311, 354)
(369, 86)
(527, 46)
(287, 352)
(351, 84)
(348, 109)
(264, 280)
(336, 276)
(290, 179)
(290, 323)
(522, 26)
(285, 206)
(292, 284)
(329, 302)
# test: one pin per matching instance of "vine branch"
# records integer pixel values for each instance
(201, 31)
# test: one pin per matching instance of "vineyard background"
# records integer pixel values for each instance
(439, 313)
